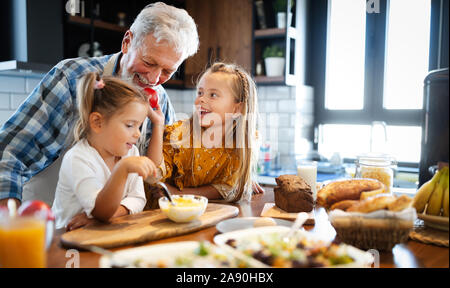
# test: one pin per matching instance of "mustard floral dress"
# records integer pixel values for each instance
(186, 165)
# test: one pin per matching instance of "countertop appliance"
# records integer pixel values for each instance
(434, 123)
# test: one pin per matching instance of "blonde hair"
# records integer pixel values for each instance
(244, 91)
(167, 24)
(115, 94)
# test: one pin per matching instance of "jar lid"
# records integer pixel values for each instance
(376, 159)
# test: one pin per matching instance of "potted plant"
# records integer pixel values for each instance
(274, 60)
(280, 9)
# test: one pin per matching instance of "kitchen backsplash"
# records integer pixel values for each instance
(286, 113)
(13, 91)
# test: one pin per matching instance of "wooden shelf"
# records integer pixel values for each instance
(97, 24)
(268, 33)
(275, 33)
(269, 80)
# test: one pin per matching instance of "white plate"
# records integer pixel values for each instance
(167, 252)
(362, 258)
(436, 222)
(234, 224)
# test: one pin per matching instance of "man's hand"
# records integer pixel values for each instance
(256, 188)
(4, 202)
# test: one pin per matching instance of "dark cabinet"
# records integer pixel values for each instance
(225, 32)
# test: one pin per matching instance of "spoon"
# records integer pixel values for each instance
(166, 192)
(301, 218)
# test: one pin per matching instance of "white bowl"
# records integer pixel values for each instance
(187, 208)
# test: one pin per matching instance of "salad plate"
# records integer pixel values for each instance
(185, 254)
(270, 246)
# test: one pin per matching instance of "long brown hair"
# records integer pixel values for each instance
(114, 95)
(244, 135)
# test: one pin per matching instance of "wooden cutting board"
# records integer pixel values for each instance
(271, 210)
(143, 227)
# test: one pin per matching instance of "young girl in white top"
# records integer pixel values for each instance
(101, 175)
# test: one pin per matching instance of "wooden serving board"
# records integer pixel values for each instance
(270, 210)
(143, 227)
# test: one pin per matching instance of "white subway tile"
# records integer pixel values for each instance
(31, 83)
(188, 108)
(278, 92)
(284, 148)
(284, 120)
(268, 106)
(17, 99)
(286, 134)
(173, 94)
(187, 96)
(287, 106)
(261, 90)
(12, 84)
(4, 115)
(4, 101)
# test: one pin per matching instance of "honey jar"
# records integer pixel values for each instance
(376, 166)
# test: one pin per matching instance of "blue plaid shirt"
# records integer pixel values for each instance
(36, 134)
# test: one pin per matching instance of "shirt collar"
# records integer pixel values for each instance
(117, 64)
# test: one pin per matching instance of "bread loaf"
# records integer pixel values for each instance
(347, 190)
(293, 194)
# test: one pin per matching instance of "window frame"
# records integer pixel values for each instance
(376, 44)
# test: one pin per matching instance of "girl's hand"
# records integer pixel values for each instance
(156, 116)
(79, 221)
(139, 164)
(256, 188)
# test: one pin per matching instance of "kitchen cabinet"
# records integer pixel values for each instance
(291, 39)
(225, 32)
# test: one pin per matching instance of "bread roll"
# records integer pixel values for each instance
(347, 190)
(343, 205)
(400, 203)
(372, 204)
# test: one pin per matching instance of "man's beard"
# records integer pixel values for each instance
(130, 77)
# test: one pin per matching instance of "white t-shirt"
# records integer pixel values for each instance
(82, 176)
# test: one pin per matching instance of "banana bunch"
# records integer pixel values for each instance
(432, 197)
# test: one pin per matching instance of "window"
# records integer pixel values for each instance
(408, 41)
(374, 70)
(345, 56)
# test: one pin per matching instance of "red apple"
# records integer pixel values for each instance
(32, 207)
(153, 97)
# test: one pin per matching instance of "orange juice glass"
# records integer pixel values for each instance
(22, 243)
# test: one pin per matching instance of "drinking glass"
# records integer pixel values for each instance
(22, 242)
(307, 170)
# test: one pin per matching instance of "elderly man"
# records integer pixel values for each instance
(159, 40)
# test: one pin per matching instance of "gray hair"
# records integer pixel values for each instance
(167, 24)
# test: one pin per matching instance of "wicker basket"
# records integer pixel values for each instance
(365, 233)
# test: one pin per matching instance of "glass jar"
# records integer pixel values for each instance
(376, 166)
